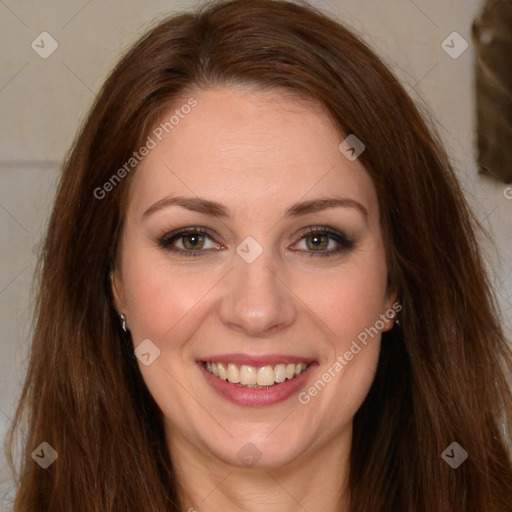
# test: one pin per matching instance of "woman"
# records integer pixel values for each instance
(261, 289)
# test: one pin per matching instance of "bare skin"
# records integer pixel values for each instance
(257, 153)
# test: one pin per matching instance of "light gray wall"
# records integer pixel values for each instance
(42, 101)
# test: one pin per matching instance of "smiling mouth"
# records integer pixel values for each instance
(253, 376)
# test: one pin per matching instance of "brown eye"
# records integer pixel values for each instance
(323, 241)
(317, 242)
(188, 242)
(193, 241)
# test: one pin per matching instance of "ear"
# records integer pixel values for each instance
(392, 307)
(117, 290)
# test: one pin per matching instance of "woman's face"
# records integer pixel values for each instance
(250, 240)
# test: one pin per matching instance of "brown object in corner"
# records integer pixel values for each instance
(492, 37)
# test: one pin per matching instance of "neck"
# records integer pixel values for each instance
(315, 480)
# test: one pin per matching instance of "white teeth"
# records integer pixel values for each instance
(290, 371)
(299, 368)
(280, 373)
(252, 376)
(265, 376)
(223, 373)
(233, 373)
(247, 375)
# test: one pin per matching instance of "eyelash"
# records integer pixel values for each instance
(167, 239)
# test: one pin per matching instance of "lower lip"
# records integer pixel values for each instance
(253, 397)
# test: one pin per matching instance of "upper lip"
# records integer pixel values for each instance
(253, 360)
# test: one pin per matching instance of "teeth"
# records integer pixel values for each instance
(280, 373)
(299, 368)
(266, 376)
(252, 377)
(233, 373)
(223, 373)
(247, 375)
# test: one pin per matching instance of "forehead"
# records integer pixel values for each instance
(246, 149)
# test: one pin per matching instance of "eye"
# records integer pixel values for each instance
(198, 241)
(193, 241)
(323, 241)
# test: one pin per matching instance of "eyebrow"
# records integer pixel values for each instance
(207, 207)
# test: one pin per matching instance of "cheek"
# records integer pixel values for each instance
(159, 296)
(348, 301)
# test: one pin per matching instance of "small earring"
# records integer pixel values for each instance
(123, 322)
(394, 315)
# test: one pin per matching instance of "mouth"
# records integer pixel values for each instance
(255, 377)
(256, 381)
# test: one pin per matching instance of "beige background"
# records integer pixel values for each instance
(43, 100)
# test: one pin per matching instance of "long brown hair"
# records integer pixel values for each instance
(442, 374)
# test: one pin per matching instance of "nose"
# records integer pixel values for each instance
(256, 300)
